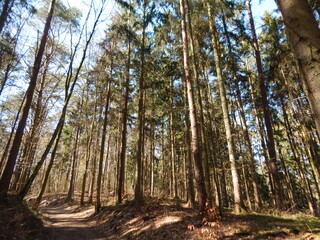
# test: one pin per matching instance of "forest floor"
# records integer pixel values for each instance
(155, 219)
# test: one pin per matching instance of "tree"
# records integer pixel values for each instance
(7, 174)
(267, 116)
(146, 19)
(69, 88)
(226, 118)
(6, 8)
(124, 123)
(248, 144)
(195, 140)
(103, 139)
(304, 34)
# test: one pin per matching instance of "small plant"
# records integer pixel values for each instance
(211, 222)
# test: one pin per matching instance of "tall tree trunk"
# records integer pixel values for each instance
(124, 127)
(33, 138)
(230, 139)
(73, 166)
(50, 164)
(90, 134)
(69, 90)
(195, 140)
(261, 132)
(118, 152)
(191, 193)
(106, 170)
(212, 146)
(201, 117)
(288, 178)
(249, 152)
(6, 149)
(94, 164)
(103, 141)
(290, 136)
(174, 185)
(267, 116)
(152, 149)
(304, 34)
(138, 193)
(7, 174)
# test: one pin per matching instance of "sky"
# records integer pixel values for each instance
(265, 5)
(258, 9)
(258, 6)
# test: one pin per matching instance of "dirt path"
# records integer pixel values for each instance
(65, 222)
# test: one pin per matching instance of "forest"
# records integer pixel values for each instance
(130, 111)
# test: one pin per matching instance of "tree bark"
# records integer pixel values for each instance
(50, 164)
(195, 140)
(225, 111)
(211, 146)
(304, 37)
(69, 91)
(7, 174)
(73, 166)
(138, 193)
(267, 116)
(187, 139)
(103, 140)
(5, 151)
(33, 138)
(90, 135)
(201, 114)
(249, 152)
(124, 128)
(174, 184)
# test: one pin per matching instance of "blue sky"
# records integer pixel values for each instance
(259, 8)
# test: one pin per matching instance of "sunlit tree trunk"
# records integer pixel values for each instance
(90, 134)
(290, 191)
(138, 194)
(95, 158)
(188, 154)
(124, 127)
(7, 173)
(304, 34)
(49, 167)
(152, 149)
(201, 117)
(33, 138)
(267, 116)
(103, 141)
(69, 88)
(249, 152)
(73, 166)
(261, 132)
(211, 146)
(230, 139)
(195, 140)
(105, 177)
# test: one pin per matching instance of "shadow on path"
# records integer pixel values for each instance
(65, 222)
